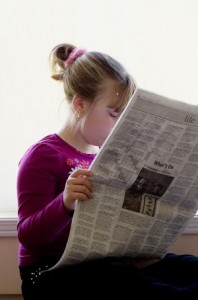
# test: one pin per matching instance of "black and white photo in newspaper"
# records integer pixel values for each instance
(145, 183)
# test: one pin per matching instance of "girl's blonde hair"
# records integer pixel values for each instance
(85, 75)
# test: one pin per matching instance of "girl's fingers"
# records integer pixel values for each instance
(80, 189)
(80, 182)
(82, 196)
(81, 172)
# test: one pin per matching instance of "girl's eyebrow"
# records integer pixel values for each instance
(111, 107)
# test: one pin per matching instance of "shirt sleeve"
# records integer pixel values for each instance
(42, 215)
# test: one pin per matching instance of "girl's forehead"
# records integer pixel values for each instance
(111, 100)
(118, 98)
(110, 90)
(108, 97)
(113, 95)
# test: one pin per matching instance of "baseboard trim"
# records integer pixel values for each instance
(11, 297)
(8, 227)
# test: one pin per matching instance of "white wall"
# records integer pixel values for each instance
(156, 40)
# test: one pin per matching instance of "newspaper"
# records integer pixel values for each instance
(145, 183)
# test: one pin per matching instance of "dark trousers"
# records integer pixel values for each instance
(174, 277)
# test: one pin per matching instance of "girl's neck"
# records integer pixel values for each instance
(76, 140)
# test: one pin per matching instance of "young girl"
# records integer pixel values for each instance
(54, 172)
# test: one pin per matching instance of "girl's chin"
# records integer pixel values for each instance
(100, 142)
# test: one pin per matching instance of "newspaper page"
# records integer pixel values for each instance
(145, 183)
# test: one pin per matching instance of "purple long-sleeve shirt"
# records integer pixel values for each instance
(44, 223)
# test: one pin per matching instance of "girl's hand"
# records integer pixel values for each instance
(78, 187)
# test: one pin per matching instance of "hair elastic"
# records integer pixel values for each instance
(77, 52)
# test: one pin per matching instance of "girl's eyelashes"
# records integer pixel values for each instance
(113, 113)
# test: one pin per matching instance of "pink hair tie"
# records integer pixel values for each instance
(74, 55)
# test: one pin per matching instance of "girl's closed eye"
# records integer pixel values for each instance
(113, 113)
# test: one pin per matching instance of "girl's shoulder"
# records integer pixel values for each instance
(53, 148)
(46, 148)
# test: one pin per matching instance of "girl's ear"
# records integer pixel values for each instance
(78, 103)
